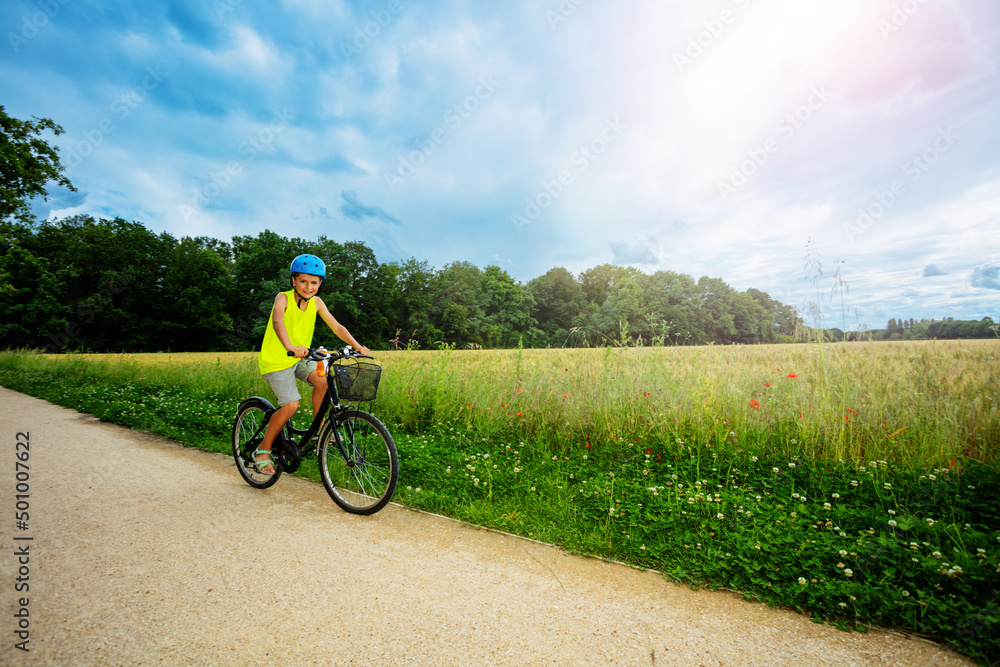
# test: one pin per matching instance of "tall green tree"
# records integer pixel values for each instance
(558, 303)
(456, 305)
(197, 286)
(506, 307)
(28, 164)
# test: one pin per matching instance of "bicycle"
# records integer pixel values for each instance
(357, 456)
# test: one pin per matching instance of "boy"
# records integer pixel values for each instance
(290, 329)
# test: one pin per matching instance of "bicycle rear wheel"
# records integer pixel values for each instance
(365, 480)
(248, 432)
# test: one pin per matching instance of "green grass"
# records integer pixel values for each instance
(863, 491)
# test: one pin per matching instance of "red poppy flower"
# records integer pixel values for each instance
(755, 404)
(518, 414)
(650, 451)
(792, 375)
(767, 384)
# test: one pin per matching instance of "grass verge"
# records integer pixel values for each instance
(703, 491)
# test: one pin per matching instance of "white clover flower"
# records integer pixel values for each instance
(719, 516)
(791, 465)
(802, 581)
(836, 495)
(827, 506)
(892, 523)
(930, 522)
(848, 573)
(842, 605)
(842, 553)
(906, 594)
(937, 555)
(754, 459)
(774, 470)
(841, 566)
(795, 495)
(887, 486)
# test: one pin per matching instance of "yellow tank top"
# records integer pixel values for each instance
(299, 325)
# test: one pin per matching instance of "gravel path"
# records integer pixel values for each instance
(144, 551)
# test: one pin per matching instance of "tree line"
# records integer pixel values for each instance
(82, 283)
(925, 329)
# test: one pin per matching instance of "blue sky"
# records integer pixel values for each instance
(707, 138)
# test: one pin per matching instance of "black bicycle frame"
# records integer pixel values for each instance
(331, 404)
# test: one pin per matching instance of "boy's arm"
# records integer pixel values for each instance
(278, 322)
(338, 328)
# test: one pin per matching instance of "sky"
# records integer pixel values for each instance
(843, 157)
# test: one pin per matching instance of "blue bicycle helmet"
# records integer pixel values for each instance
(310, 264)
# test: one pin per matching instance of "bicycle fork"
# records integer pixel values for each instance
(342, 444)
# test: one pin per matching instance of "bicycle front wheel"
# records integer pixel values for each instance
(362, 477)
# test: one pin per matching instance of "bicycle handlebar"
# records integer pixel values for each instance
(321, 353)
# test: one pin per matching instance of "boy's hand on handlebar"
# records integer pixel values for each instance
(299, 352)
(364, 350)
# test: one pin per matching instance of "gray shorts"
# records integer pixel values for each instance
(283, 382)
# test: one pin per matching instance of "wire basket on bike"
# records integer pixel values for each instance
(357, 381)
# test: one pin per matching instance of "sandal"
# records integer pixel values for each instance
(263, 463)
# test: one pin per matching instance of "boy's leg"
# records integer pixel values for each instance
(274, 426)
(282, 383)
(319, 390)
